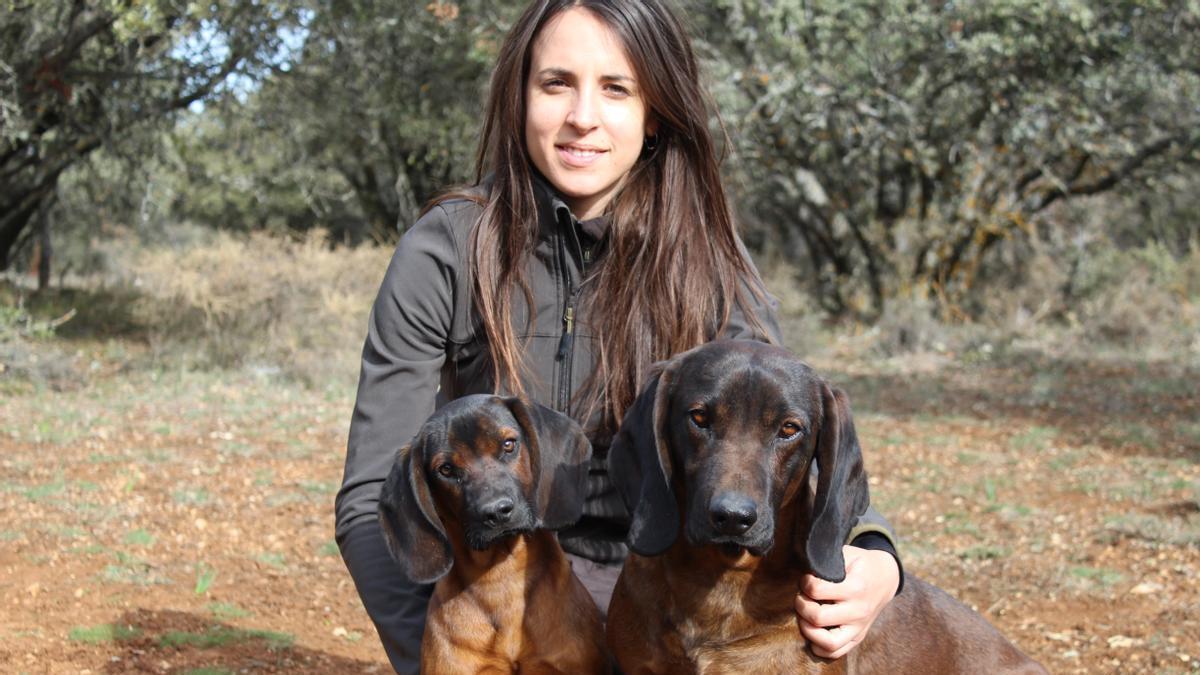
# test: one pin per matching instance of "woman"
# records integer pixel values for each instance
(596, 241)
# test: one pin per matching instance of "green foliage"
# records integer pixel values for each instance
(17, 322)
(378, 113)
(131, 569)
(103, 633)
(897, 143)
(271, 559)
(78, 76)
(139, 538)
(219, 636)
(1096, 575)
(927, 152)
(205, 576)
(225, 611)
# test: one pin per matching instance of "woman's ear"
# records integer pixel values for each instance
(559, 453)
(411, 527)
(639, 465)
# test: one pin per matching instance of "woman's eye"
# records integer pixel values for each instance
(554, 84)
(509, 446)
(789, 430)
(617, 90)
(699, 418)
(446, 470)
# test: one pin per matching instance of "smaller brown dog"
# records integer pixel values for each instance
(470, 505)
(715, 461)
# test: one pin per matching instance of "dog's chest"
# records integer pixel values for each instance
(740, 624)
(508, 619)
(485, 618)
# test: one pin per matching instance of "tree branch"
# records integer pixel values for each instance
(1112, 178)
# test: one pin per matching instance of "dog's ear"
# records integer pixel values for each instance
(841, 492)
(558, 456)
(639, 465)
(411, 527)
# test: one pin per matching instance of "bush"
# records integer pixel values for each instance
(1058, 299)
(1145, 299)
(298, 307)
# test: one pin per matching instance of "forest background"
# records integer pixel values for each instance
(982, 218)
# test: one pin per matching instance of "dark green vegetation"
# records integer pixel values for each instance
(929, 150)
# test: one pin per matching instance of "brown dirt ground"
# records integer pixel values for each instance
(1060, 498)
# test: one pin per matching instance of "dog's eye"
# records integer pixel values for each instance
(509, 446)
(446, 470)
(789, 430)
(699, 417)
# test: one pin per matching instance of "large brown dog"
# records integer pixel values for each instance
(470, 504)
(720, 447)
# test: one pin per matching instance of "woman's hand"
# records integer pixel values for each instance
(834, 618)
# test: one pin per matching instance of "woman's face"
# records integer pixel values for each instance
(585, 120)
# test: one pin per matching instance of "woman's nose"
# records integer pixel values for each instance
(582, 114)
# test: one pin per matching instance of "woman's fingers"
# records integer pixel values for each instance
(835, 617)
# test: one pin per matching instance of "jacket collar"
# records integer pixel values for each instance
(555, 215)
(553, 212)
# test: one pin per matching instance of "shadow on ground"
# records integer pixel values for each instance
(99, 313)
(154, 641)
(1135, 408)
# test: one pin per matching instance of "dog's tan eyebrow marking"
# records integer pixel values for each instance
(506, 433)
(458, 449)
(488, 428)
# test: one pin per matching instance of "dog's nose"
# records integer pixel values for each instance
(498, 511)
(732, 514)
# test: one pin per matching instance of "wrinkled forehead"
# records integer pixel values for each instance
(750, 374)
(473, 421)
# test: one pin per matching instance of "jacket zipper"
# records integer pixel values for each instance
(566, 344)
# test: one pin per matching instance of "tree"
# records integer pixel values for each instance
(897, 142)
(77, 75)
(377, 113)
(389, 96)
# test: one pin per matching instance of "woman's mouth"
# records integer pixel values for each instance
(577, 156)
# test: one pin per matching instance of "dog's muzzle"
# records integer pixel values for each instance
(497, 519)
(732, 520)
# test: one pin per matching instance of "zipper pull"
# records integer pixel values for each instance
(564, 345)
(587, 255)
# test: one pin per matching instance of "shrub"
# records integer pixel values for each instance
(1145, 299)
(298, 307)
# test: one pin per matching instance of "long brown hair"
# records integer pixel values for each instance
(670, 225)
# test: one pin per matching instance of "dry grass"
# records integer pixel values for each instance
(298, 309)
(1105, 301)
(288, 306)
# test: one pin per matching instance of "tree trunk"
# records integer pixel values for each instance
(44, 249)
(12, 223)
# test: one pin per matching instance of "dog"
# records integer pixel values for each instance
(470, 505)
(719, 446)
